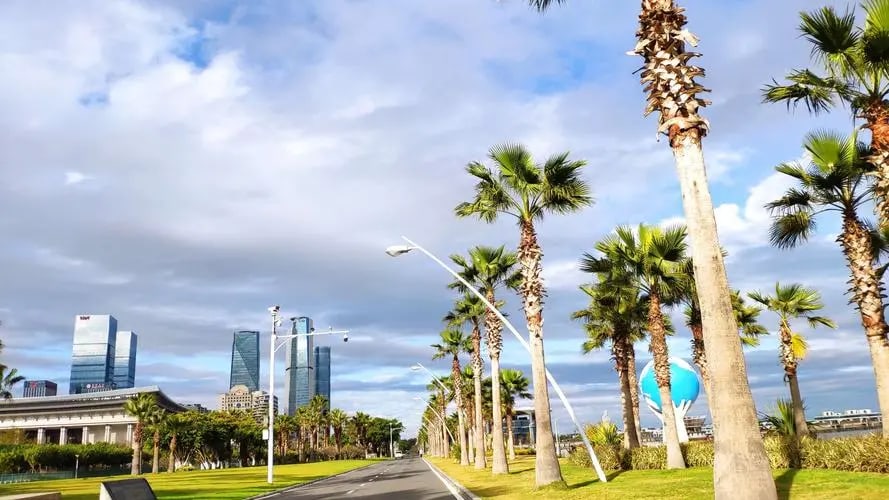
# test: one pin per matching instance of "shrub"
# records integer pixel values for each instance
(698, 453)
(858, 454)
(648, 458)
(352, 452)
(610, 458)
(327, 453)
(13, 461)
(525, 451)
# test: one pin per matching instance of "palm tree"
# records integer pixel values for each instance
(836, 179)
(470, 309)
(142, 407)
(361, 421)
(617, 315)
(741, 463)
(852, 73)
(491, 268)
(175, 424)
(653, 258)
(453, 342)
(156, 421)
(791, 302)
(527, 190)
(8, 379)
(515, 385)
(338, 419)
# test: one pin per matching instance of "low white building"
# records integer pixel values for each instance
(256, 403)
(79, 418)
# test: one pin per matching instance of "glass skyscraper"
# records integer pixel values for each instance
(125, 360)
(92, 362)
(39, 388)
(299, 373)
(322, 373)
(245, 360)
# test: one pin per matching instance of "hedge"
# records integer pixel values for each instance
(858, 454)
(37, 457)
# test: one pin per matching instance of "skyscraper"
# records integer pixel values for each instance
(299, 373)
(125, 360)
(245, 360)
(39, 388)
(322, 373)
(92, 361)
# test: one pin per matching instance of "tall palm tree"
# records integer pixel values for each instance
(521, 188)
(851, 71)
(492, 268)
(791, 302)
(156, 421)
(836, 179)
(470, 309)
(454, 342)
(8, 380)
(515, 385)
(616, 315)
(142, 407)
(741, 467)
(653, 257)
(175, 425)
(338, 419)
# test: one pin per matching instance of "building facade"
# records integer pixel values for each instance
(322, 373)
(245, 360)
(39, 388)
(92, 361)
(299, 373)
(241, 398)
(125, 360)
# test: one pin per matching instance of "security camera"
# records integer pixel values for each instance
(274, 309)
(345, 337)
(312, 330)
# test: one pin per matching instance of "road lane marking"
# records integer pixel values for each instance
(349, 492)
(445, 482)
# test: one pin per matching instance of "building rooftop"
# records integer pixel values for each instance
(92, 399)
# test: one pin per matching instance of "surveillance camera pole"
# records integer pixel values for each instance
(273, 347)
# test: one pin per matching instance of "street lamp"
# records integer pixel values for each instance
(441, 417)
(76, 465)
(418, 367)
(275, 311)
(396, 250)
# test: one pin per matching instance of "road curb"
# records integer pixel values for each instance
(271, 494)
(463, 492)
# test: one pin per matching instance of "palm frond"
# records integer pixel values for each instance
(542, 5)
(791, 229)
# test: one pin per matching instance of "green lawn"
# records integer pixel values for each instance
(234, 484)
(678, 485)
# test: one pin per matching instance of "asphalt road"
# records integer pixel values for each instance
(404, 479)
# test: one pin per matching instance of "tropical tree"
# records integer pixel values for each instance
(836, 180)
(791, 302)
(454, 342)
(9, 377)
(514, 385)
(521, 188)
(338, 420)
(142, 406)
(741, 467)
(175, 424)
(360, 422)
(492, 268)
(470, 309)
(653, 258)
(157, 419)
(851, 64)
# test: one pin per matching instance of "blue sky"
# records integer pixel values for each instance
(183, 165)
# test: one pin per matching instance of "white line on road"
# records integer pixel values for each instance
(444, 481)
(349, 492)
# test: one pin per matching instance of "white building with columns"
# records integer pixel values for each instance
(79, 418)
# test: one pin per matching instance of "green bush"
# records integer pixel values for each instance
(352, 452)
(525, 451)
(39, 457)
(698, 454)
(610, 457)
(858, 454)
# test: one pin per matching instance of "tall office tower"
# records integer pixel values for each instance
(245, 360)
(322, 373)
(125, 360)
(299, 374)
(92, 362)
(39, 388)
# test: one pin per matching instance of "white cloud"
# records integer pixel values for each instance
(75, 178)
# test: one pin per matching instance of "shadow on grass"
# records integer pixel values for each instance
(784, 483)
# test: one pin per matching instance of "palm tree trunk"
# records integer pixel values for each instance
(634, 388)
(154, 458)
(477, 368)
(509, 439)
(171, 465)
(136, 465)
(493, 329)
(547, 470)
(867, 294)
(741, 468)
(631, 439)
(461, 422)
(699, 355)
(799, 415)
(662, 376)
(876, 115)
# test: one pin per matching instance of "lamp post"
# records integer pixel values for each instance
(273, 347)
(441, 417)
(76, 465)
(396, 250)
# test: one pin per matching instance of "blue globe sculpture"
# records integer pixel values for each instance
(684, 383)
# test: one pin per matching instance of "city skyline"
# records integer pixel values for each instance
(125, 348)
(209, 160)
(322, 374)
(93, 353)
(299, 370)
(245, 360)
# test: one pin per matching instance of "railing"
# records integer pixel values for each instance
(27, 477)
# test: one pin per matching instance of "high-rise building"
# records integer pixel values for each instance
(125, 360)
(299, 373)
(322, 373)
(92, 361)
(39, 388)
(245, 360)
(256, 403)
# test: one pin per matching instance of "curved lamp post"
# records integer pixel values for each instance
(396, 250)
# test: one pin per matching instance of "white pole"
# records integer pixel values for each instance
(599, 472)
(271, 456)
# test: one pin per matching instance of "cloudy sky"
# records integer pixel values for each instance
(183, 165)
